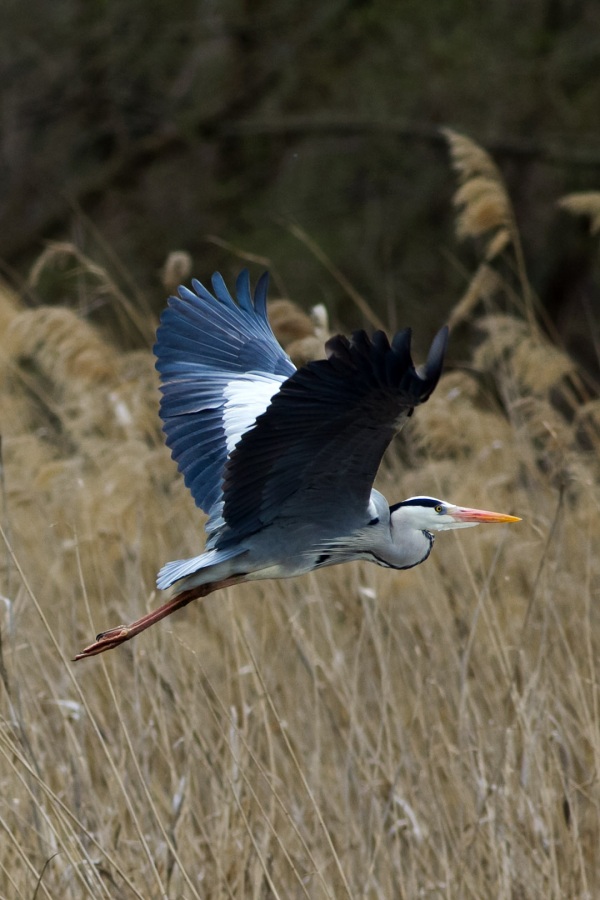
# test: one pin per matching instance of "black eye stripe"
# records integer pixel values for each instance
(429, 502)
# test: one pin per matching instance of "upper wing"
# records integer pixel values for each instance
(220, 364)
(314, 453)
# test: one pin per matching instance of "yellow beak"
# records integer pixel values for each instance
(479, 516)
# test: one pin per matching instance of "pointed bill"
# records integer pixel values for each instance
(479, 516)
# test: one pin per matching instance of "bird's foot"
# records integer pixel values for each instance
(107, 640)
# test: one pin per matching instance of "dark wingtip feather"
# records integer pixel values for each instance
(401, 341)
(338, 346)
(435, 358)
(390, 363)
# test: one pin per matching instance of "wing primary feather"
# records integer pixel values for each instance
(221, 292)
(260, 295)
(201, 292)
(338, 347)
(435, 357)
(242, 292)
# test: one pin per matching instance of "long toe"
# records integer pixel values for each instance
(106, 640)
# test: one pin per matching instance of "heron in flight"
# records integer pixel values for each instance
(283, 460)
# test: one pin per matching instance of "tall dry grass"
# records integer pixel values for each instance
(356, 733)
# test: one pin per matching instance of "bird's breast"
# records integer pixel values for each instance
(281, 570)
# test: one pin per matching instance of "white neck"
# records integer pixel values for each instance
(408, 546)
(399, 541)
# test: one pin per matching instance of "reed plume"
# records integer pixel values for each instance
(584, 203)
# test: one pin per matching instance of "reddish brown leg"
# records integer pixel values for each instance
(107, 640)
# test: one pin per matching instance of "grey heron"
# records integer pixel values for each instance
(283, 460)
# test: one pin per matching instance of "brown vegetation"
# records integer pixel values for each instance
(356, 733)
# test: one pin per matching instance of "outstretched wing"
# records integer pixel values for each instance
(313, 454)
(220, 364)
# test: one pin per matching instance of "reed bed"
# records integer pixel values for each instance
(355, 733)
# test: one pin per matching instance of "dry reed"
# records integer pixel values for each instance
(354, 733)
(584, 203)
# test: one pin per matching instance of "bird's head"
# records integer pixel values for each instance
(431, 515)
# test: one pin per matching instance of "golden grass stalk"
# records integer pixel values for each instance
(483, 286)
(584, 203)
(370, 316)
(9, 305)
(102, 289)
(177, 269)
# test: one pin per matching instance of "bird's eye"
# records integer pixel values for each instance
(439, 508)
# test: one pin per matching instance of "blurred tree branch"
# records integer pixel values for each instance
(127, 165)
(545, 152)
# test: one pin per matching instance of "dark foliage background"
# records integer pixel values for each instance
(147, 126)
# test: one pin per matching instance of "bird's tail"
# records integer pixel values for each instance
(212, 565)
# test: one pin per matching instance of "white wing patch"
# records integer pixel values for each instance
(247, 398)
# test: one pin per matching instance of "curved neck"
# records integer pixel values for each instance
(393, 538)
(408, 547)
(398, 539)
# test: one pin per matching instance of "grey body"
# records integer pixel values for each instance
(311, 545)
